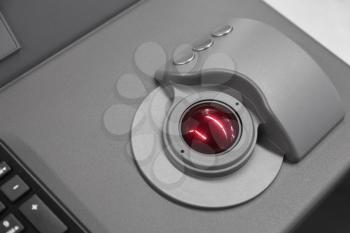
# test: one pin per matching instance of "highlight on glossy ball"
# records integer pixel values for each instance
(210, 127)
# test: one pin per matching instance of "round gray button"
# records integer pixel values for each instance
(223, 31)
(203, 45)
(183, 58)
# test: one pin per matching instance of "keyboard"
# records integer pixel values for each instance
(26, 205)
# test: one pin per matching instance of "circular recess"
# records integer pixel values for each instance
(210, 127)
(233, 189)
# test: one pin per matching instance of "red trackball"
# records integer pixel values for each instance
(210, 128)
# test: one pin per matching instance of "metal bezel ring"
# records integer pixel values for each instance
(195, 163)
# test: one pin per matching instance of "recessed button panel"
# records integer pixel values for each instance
(203, 44)
(222, 31)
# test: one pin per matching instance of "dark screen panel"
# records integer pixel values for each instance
(44, 27)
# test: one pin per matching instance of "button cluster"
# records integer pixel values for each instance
(25, 204)
(34, 209)
(13, 189)
(201, 45)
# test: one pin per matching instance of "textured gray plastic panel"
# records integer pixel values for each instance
(52, 118)
(44, 27)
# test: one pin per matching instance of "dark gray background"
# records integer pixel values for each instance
(43, 27)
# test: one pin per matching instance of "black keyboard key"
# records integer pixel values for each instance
(14, 188)
(10, 224)
(42, 218)
(2, 207)
(4, 169)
